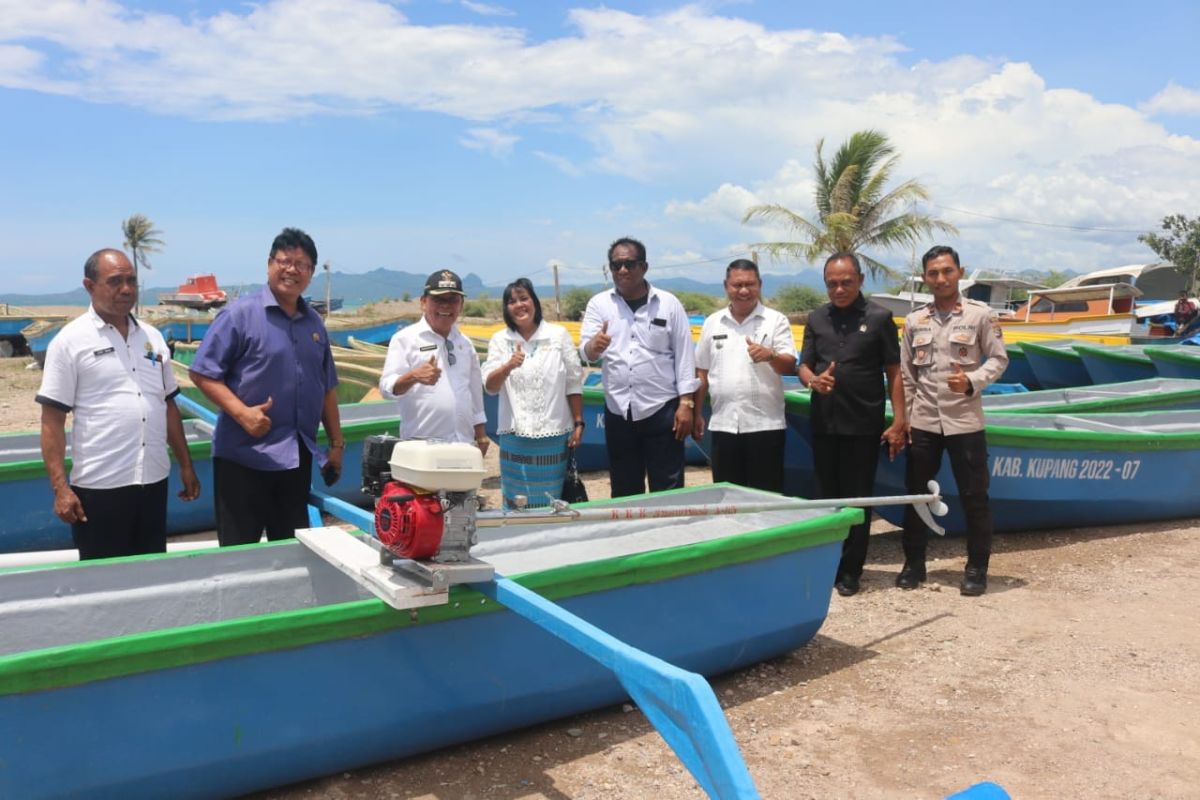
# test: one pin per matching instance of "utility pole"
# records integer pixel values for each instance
(328, 289)
(557, 296)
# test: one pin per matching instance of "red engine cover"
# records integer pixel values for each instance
(409, 524)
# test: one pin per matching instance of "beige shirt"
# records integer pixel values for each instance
(970, 337)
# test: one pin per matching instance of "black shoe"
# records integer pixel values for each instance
(847, 585)
(911, 576)
(974, 582)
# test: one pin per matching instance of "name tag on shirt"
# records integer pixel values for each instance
(662, 323)
(720, 336)
(428, 347)
(103, 351)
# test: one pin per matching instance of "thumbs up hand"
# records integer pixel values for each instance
(758, 352)
(958, 381)
(517, 359)
(824, 383)
(428, 373)
(600, 341)
(254, 419)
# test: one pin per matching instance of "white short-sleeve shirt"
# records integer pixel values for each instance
(746, 397)
(450, 409)
(533, 398)
(650, 360)
(116, 390)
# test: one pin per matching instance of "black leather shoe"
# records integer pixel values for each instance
(846, 585)
(911, 576)
(974, 582)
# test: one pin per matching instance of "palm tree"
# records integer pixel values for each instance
(141, 237)
(854, 210)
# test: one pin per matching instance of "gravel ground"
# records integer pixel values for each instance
(1077, 675)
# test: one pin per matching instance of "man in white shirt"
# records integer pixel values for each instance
(649, 374)
(114, 375)
(432, 373)
(743, 350)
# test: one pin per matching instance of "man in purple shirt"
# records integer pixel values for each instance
(267, 365)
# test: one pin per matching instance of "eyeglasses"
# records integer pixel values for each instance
(450, 359)
(629, 263)
(287, 263)
(846, 284)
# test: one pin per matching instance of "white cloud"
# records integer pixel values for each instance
(489, 140)
(488, 9)
(1174, 99)
(561, 163)
(682, 95)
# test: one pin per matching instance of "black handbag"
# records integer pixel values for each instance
(573, 490)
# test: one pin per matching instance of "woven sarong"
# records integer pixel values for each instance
(532, 467)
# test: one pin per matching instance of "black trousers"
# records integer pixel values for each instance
(845, 467)
(249, 501)
(968, 461)
(126, 521)
(646, 449)
(749, 459)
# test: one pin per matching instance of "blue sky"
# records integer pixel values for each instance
(497, 138)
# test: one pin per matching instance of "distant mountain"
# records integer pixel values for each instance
(387, 284)
(354, 289)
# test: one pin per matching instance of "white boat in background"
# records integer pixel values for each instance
(1104, 308)
(997, 291)
(1156, 282)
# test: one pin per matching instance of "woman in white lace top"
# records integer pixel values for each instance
(534, 366)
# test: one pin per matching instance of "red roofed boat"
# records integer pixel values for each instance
(198, 291)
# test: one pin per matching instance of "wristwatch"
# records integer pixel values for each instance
(580, 424)
(687, 401)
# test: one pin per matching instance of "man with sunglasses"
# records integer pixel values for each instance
(432, 373)
(267, 364)
(649, 371)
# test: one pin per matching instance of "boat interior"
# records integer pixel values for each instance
(1000, 403)
(1158, 422)
(55, 606)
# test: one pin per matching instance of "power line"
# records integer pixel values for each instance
(1040, 224)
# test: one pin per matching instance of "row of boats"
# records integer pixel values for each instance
(1056, 364)
(217, 672)
(1058, 457)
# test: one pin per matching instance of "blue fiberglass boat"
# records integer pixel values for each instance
(1018, 369)
(220, 672)
(1116, 363)
(375, 333)
(1151, 394)
(28, 521)
(1076, 470)
(1178, 361)
(1056, 364)
(184, 329)
(1160, 395)
(11, 339)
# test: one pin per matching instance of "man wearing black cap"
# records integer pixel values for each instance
(432, 373)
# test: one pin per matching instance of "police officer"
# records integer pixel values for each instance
(951, 350)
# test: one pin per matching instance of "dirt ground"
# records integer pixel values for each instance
(1077, 675)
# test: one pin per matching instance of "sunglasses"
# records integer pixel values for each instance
(450, 359)
(628, 264)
